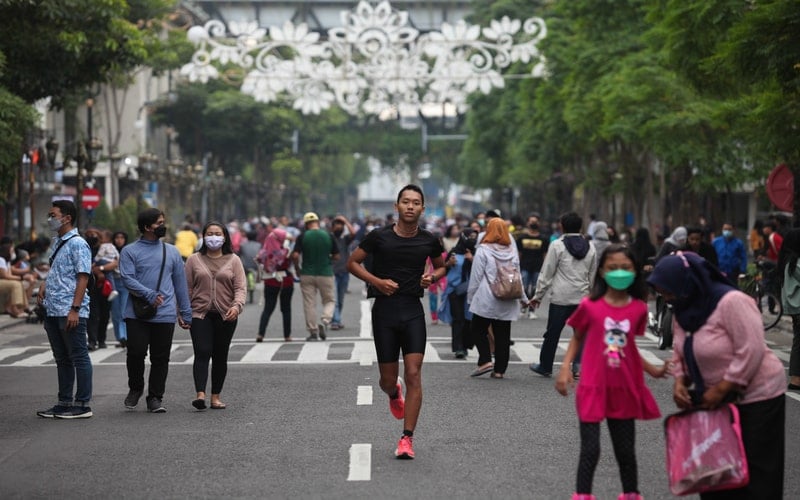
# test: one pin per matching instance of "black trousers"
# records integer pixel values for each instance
(764, 437)
(211, 339)
(158, 338)
(459, 325)
(502, 341)
(271, 295)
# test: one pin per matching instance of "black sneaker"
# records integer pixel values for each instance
(74, 412)
(321, 331)
(52, 412)
(154, 405)
(537, 368)
(132, 399)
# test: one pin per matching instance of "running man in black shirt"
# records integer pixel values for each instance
(397, 282)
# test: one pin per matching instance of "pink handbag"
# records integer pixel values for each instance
(705, 451)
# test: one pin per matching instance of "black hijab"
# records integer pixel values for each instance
(697, 285)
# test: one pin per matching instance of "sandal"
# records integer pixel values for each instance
(480, 371)
(496, 375)
(218, 406)
(200, 404)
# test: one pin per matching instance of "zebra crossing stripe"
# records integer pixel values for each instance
(36, 359)
(313, 351)
(11, 351)
(260, 353)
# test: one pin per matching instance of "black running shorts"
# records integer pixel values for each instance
(398, 322)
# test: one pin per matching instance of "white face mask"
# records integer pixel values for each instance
(214, 242)
(54, 223)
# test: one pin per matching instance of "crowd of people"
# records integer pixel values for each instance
(482, 274)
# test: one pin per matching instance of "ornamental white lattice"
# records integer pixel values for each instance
(372, 63)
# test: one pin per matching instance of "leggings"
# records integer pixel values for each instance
(211, 339)
(623, 437)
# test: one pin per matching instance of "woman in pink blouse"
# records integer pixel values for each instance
(720, 356)
(217, 289)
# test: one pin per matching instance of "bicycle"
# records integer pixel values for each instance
(660, 323)
(767, 301)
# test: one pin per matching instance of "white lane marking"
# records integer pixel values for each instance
(364, 396)
(793, 395)
(431, 354)
(313, 352)
(360, 462)
(101, 354)
(651, 358)
(366, 320)
(364, 353)
(260, 353)
(36, 360)
(11, 351)
(526, 351)
(783, 356)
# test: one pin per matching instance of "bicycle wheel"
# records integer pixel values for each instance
(665, 329)
(769, 305)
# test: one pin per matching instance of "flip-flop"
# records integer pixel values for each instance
(200, 404)
(793, 387)
(480, 371)
(218, 406)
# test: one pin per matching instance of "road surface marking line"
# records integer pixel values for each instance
(260, 353)
(360, 462)
(783, 356)
(526, 351)
(36, 360)
(431, 354)
(650, 357)
(366, 320)
(313, 352)
(101, 354)
(11, 351)
(364, 395)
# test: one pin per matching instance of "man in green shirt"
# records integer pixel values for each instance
(317, 249)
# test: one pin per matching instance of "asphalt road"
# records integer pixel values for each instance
(307, 420)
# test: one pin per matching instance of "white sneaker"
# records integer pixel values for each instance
(532, 315)
(113, 295)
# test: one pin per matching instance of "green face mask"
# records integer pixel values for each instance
(619, 279)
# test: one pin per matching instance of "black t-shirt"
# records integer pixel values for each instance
(532, 250)
(400, 259)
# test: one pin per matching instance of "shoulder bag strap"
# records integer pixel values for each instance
(163, 261)
(58, 248)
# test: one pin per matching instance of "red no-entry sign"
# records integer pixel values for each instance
(91, 198)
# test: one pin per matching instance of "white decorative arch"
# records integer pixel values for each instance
(374, 62)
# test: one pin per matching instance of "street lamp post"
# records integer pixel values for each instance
(147, 163)
(80, 161)
(115, 158)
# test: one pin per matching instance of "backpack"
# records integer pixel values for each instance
(507, 284)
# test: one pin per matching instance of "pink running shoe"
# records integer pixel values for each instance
(405, 448)
(398, 405)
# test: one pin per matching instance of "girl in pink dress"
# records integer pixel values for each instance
(612, 384)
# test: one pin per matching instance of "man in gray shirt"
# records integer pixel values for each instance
(343, 234)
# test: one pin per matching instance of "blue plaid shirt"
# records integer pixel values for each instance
(74, 258)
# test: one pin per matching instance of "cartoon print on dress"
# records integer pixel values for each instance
(616, 338)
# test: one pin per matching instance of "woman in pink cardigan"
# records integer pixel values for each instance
(720, 356)
(217, 289)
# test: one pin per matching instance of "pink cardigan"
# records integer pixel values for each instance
(225, 288)
(730, 346)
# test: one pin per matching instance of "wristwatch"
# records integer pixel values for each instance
(76, 308)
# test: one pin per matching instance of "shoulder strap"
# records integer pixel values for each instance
(58, 248)
(163, 261)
